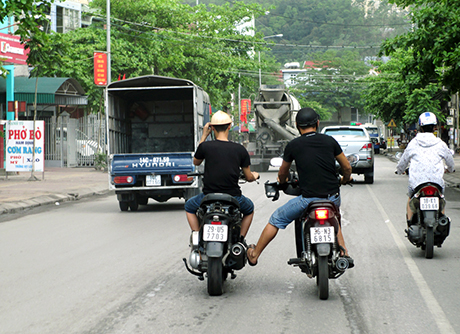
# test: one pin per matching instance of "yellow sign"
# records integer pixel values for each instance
(392, 124)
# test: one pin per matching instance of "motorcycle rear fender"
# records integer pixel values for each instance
(214, 249)
(429, 217)
(323, 249)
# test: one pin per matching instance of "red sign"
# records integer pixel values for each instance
(100, 68)
(11, 50)
(245, 109)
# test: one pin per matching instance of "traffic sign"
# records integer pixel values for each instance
(392, 124)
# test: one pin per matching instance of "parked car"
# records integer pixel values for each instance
(355, 140)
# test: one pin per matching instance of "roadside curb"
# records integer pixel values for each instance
(20, 206)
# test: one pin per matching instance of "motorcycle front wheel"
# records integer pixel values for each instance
(323, 278)
(215, 276)
(429, 243)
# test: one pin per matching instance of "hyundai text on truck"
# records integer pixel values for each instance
(154, 125)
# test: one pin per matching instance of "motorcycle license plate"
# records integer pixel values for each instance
(322, 234)
(153, 180)
(215, 232)
(429, 203)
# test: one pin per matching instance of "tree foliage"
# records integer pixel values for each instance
(333, 83)
(433, 43)
(424, 64)
(168, 38)
(29, 17)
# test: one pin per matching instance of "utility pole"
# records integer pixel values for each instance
(109, 76)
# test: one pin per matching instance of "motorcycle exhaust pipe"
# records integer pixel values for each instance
(443, 225)
(237, 249)
(342, 264)
(237, 257)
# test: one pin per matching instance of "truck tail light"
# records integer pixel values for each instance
(182, 178)
(123, 179)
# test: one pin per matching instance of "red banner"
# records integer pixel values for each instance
(100, 68)
(11, 50)
(245, 110)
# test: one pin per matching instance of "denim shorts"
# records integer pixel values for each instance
(293, 209)
(246, 205)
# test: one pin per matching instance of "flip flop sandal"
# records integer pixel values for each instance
(251, 246)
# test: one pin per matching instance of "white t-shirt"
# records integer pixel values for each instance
(426, 154)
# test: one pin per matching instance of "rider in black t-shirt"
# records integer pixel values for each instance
(222, 169)
(314, 155)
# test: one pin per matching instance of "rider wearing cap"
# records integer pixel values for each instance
(315, 155)
(426, 154)
(222, 170)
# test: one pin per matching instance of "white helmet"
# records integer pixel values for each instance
(427, 118)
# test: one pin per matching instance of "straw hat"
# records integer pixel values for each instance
(220, 118)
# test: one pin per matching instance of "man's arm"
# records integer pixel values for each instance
(206, 132)
(283, 172)
(345, 166)
(449, 160)
(403, 162)
(250, 176)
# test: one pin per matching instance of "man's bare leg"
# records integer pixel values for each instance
(246, 223)
(265, 238)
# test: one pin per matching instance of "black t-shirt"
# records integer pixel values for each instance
(223, 160)
(314, 155)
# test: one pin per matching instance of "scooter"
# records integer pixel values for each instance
(318, 251)
(428, 226)
(217, 248)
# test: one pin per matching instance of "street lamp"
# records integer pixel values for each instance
(260, 71)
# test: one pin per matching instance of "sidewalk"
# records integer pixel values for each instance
(452, 180)
(17, 193)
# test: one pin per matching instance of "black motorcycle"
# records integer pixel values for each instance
(217, 248)
(318, 251)
(428, 226)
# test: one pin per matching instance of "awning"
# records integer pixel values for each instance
(59, 91)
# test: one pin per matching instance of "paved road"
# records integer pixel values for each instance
(86, 267)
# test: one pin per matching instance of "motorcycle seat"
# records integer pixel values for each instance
(219, 197)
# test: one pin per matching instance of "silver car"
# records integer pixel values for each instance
(355, 140)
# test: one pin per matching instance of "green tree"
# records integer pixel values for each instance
(29, 17)
(433, 44)
(165, 37)
(333, 83)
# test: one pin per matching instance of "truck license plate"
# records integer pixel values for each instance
(215, 232)
(153, 180)
(429, 203)
(322, 234)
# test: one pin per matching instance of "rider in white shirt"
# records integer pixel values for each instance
(426, 154)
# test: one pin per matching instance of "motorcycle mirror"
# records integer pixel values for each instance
(276, 162)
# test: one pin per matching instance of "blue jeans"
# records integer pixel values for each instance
(246, 205)
(293, 209)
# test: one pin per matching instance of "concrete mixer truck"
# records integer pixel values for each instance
(275, 110)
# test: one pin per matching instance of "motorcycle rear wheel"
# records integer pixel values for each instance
(215, 276)
(323, 278)
(429, 243)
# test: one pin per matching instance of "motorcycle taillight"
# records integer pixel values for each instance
(322, 214)
(429, 191)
